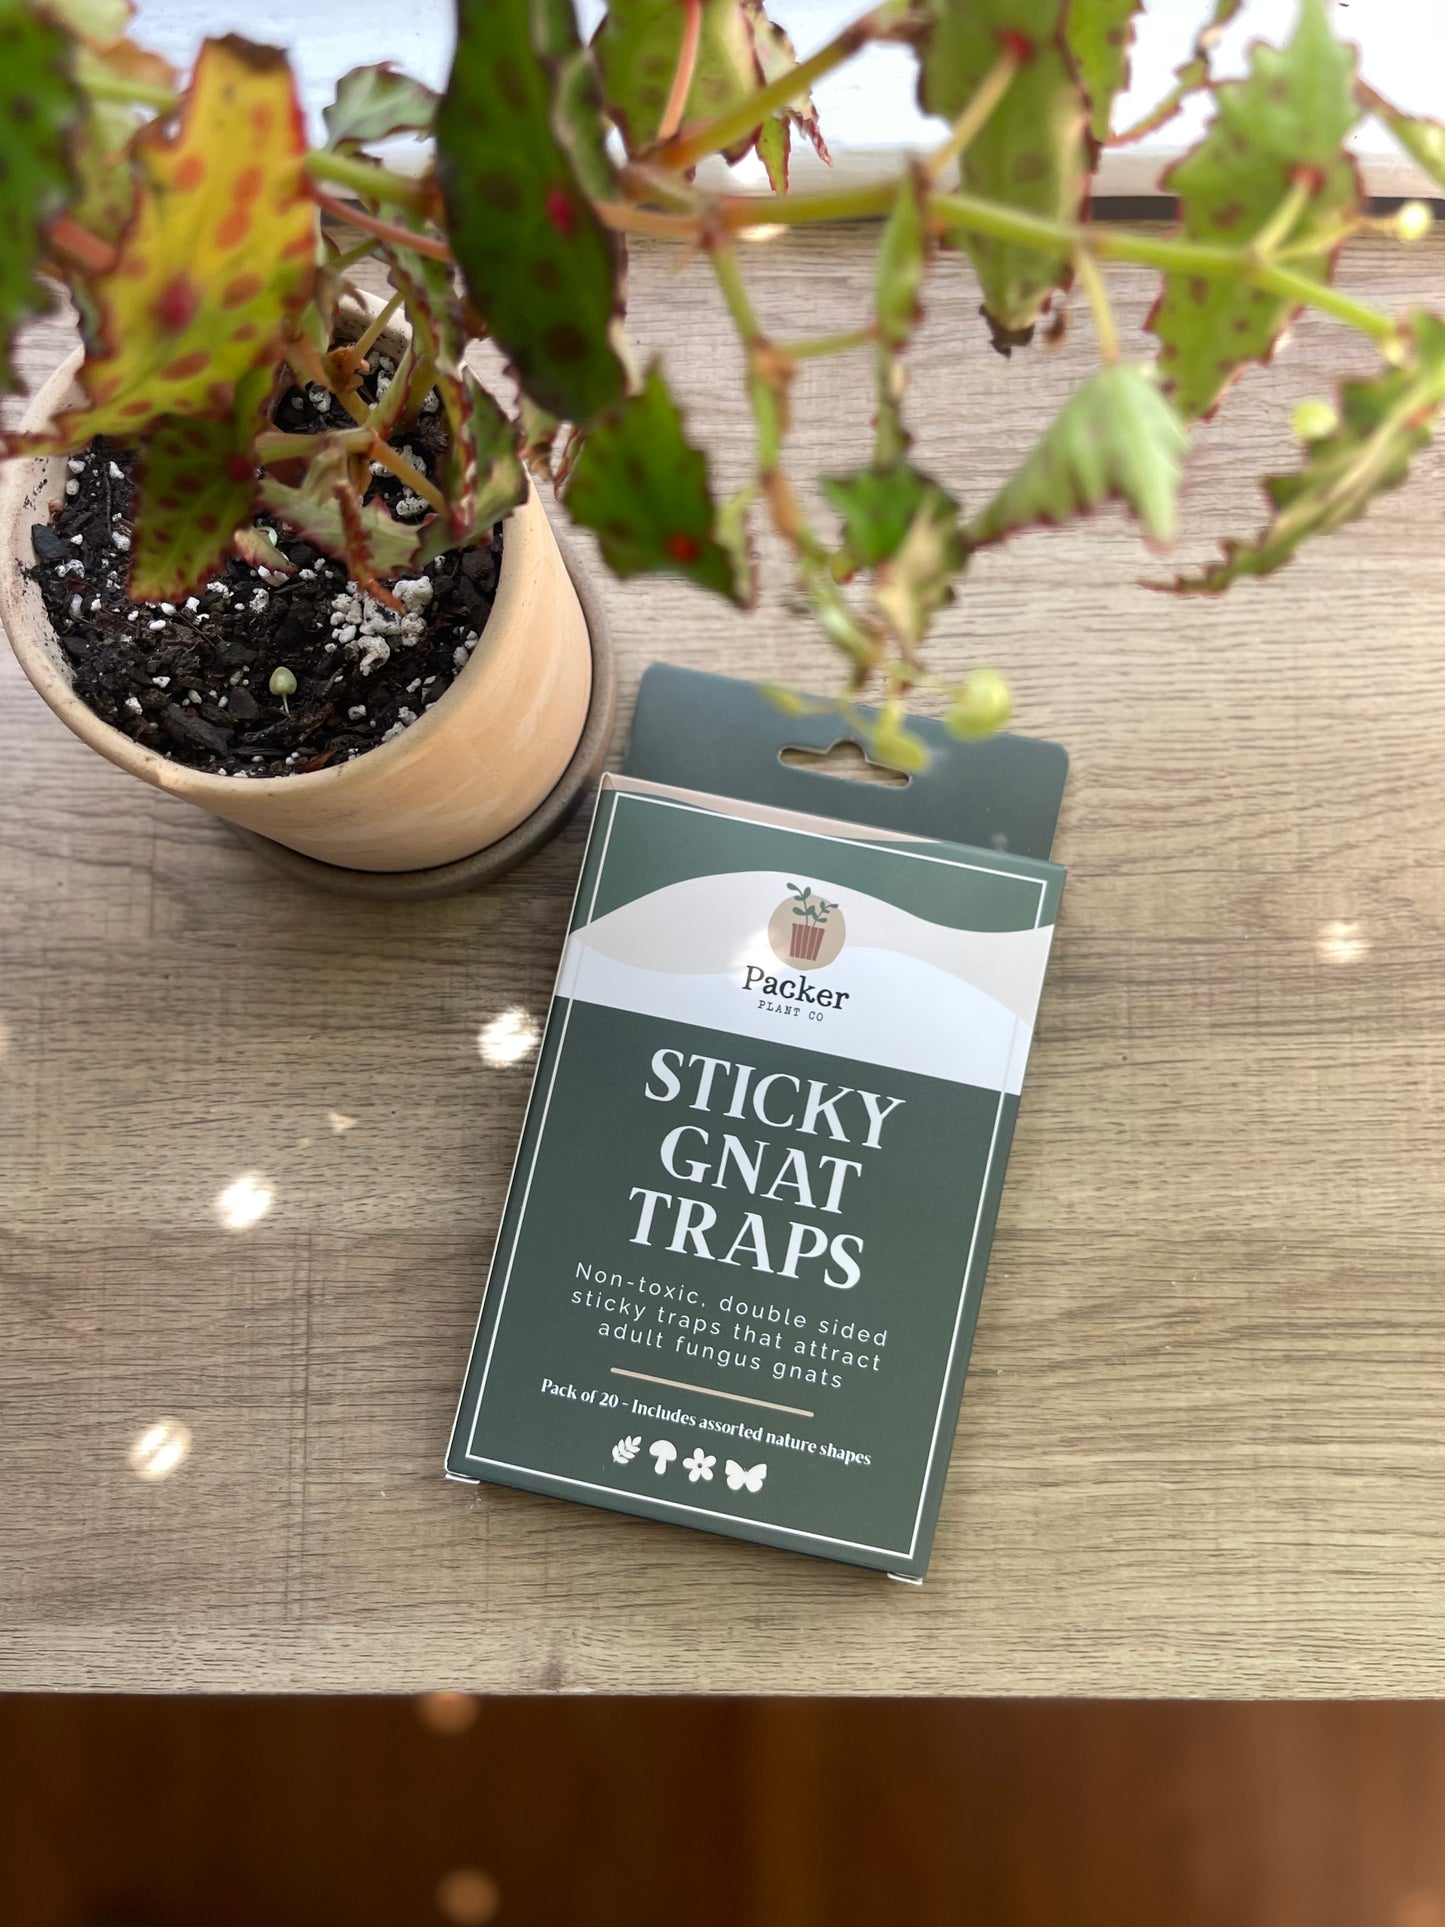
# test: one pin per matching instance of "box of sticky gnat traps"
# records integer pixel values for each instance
(741, 1258)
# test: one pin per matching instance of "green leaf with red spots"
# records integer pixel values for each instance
(1116, 438)
(327, 509)
(1033, 153)
(643, 488)
(1099, 35)
(195, 487)
(879, 506)
(637, 48)
(1383, 424)
(375, 104)
(219, 255)
(39, 106)
(540, 268)
(1279, 130)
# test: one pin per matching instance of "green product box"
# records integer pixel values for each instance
(740, 1263)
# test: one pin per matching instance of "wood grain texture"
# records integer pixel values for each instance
(1202, 1448)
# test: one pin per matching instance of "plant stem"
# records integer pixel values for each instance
(365, 177)
(376, 328)
(740, 211)
(1099, 305)
(78, 244)
(1278, 228)
(623, 218)
(819, 345)
(403, 470)
(401, 237)
(734, 292)
(686, 68)
(275, 445)
(1172, 255)
(991, 90)
(101, 85)
(687, 148)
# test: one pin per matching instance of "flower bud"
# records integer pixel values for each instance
(981, 704)
(1414, 221)
(1313, 420)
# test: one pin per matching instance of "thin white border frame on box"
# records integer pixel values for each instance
(675, 1505)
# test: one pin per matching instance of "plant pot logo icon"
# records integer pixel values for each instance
(806, 930)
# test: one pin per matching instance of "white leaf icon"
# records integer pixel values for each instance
(626, 1450)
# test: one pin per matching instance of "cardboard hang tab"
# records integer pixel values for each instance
(711, 733)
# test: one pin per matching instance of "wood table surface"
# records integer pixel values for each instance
(1202, 1448)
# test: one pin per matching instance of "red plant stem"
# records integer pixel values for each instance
(401, 237)
(78, 244)
(686, 68)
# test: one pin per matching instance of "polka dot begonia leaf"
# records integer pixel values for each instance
(643, 487)
(1280, 129)
(219, 255)
(1031, 154)
(195, 486)
(540, 268)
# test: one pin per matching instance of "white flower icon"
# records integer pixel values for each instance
(698, 1466)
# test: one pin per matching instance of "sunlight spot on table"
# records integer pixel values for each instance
(160, 1449)
(447, 1713)
(1419, 1908)
(468, 1897)
(339, 1122)
(244, 1202)
(508, 1038)
(1341, 942)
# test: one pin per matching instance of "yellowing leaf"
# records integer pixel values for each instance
(1279, 131)
(220, 253)
(1032, 153)
(1116, 438)
(1384, 423)
(195, 486)
(38, 107)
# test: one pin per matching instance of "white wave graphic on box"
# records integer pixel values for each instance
(956, 1004)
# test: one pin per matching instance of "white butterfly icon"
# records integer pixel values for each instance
(738, 1477)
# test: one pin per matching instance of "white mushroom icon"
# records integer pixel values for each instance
(664, 1451)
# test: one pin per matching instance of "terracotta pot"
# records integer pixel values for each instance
(467, 772)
